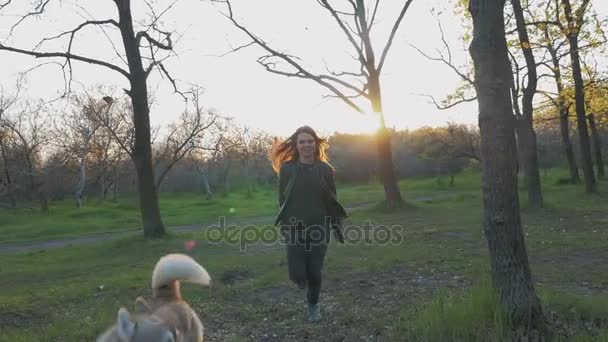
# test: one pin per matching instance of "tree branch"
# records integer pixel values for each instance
(68, 56)
(392, 35)
(38, 9)
(300, 73)
(450, 105)
(351, 39)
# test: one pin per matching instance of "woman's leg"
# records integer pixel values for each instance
(296, 262)
(314, 270)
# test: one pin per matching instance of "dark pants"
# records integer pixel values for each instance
(305, 256)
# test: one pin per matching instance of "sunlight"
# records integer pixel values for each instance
(355, 123)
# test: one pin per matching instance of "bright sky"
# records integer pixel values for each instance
(238, 86)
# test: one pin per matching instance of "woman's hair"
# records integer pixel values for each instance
(284, 151)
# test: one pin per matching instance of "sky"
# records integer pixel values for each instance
(235, 84)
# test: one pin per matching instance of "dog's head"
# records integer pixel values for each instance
(144, 329)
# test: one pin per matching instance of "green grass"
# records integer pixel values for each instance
(475, 315)
(65, 220)
(74, 293)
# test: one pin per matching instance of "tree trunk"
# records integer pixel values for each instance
(102, 186)
(226, 179)
(7, 174)
(247, 176)
(44, 202)
(526, 140)
(565, 130)
(208, 192)
(392, 193)
(142, 150)
(579, 96)
(81, 182)
(525, 125)
(115, 194)
(563, 111)
(501, 221)
(597, 146)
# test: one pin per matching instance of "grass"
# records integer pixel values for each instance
(429, 285)
(65, 220)
(475, 315)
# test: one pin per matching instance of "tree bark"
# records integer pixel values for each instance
(579, 96)
(527, 146)
(525, 124)
(565, 131)
(383, 140)
(501, 220)
(597, 146)
(142, 150)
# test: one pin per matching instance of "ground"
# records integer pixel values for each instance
(431, 285)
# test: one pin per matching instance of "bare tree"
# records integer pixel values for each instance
(356, 21)
(510, 268)
(144, 52)
(251, 147)
(76, 134)
(201, 159)
(28, 127)
(6, 102)
(187, 134)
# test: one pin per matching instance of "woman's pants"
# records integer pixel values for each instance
(305, 256)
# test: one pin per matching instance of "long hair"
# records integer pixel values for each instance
(284, 151)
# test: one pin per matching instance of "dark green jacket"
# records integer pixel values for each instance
(287, 177)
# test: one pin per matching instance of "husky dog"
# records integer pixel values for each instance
(165, 317)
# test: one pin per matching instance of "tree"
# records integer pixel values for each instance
(510, 269)
(525, 130)
(526, 137)
(560, 101)
(28, 130)
(187, 134)
(151, 38)
(449, 148)
(574, 21)
(356, 22)
(77, 133)
(6, 102)
(595, 102)
(252, 147)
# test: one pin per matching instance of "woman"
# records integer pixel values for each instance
(309, 209)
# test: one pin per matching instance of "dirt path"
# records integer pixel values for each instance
(31, 246)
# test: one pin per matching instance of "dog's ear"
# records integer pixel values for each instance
(141, 306)
(124, 327)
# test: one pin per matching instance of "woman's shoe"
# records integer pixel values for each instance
(314, 313)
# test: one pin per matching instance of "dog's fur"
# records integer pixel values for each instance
(165, 317)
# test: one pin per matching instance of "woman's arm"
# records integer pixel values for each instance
(331, 183)
(283, 179)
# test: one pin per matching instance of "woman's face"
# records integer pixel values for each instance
(306, 145)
